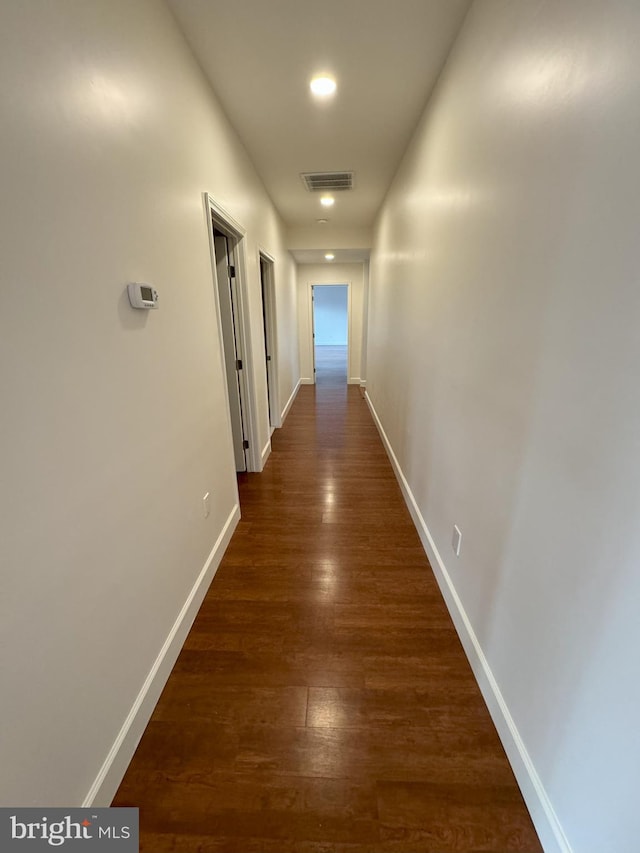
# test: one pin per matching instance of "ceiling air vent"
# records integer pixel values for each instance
(321, 182)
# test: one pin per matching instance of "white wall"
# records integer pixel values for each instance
(330, 315)
(310, 274)
(322, 236)
(113, 421)
(503, 365)
(286, 333)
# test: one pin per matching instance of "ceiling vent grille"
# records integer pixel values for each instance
(322, 182)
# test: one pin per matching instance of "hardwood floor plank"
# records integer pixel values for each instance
(407, 754)
(192, 696)
(340, 707)
(322, 702)
(214, 843)
(275, 669)
(451, 817)
(284, 808)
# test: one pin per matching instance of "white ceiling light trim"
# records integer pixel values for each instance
(323, 86)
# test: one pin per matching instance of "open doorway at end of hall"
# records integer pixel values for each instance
(330, 333)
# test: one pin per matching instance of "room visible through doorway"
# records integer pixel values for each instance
(331, 333)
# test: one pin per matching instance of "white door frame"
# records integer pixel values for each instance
(311, 341)
(271, 343)
(235, 233)
(227, 287)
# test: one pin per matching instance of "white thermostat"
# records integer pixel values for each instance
(142, 295)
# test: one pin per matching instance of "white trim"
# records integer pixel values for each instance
(247, 375)
(236, 234)
(365, 321)
(266, 255)
(285, 411)
(354, 380)
(208, 207)
(115, 764)
(312, 335)
(542, 813)
(223, 214)
(266, 452)
(270, 314)
(306, 381)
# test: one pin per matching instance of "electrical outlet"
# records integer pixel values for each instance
(456, 541)
(206, 505)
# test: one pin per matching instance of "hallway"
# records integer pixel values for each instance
(470, 174)
(322, 701)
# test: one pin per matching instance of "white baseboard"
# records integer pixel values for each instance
(306, 381)
(115, 764)
(266, 452)
(542, 813)
(285, 411)
(354, 380)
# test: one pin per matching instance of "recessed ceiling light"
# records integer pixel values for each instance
(323, 86)
(329, 256)
(327, 201)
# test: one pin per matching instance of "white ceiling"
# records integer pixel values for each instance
(342, 256)
(259, 56)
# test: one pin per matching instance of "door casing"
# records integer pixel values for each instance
(266, 262)
(235, 233)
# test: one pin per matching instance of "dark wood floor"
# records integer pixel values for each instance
(322, 702)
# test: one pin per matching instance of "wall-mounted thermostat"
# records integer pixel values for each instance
(142, 295)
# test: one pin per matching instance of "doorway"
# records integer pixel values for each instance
(330, 333)
(226, 242)
(232, 343)
(270, 345)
